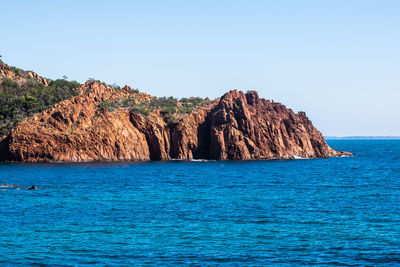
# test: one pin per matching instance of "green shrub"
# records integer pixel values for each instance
(17, 71)
(163, 102)
(140, 110)
(188, 105)
(108, 105)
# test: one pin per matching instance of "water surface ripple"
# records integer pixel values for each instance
(338, 211)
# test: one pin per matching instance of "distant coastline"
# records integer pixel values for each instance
(362, 137)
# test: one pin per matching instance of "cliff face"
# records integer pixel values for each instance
(243, 126)
(237, 126)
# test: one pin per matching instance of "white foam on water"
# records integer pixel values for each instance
(194, 160)
(298, 157)
(200, 160)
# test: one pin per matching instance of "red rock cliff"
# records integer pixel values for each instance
(243, 126)
(237, 126)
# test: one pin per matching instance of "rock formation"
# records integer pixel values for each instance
(6, 72)
(35, 76)
(237, 126)
(20, 76)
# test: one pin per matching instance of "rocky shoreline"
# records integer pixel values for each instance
(237, 126)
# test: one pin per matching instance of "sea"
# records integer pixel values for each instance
(341, 211)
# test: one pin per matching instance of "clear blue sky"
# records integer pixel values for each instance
(337, 60)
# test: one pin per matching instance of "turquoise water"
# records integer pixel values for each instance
(341, 211)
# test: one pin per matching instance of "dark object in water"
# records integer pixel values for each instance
(32, 188)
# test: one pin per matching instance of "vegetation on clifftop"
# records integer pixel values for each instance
(21, 100)
(169, 107)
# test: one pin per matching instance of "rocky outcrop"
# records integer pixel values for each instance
(75, 130)
(6, 72)
(19, 75)
(243, 126)
(35, 76)
(237, 126)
